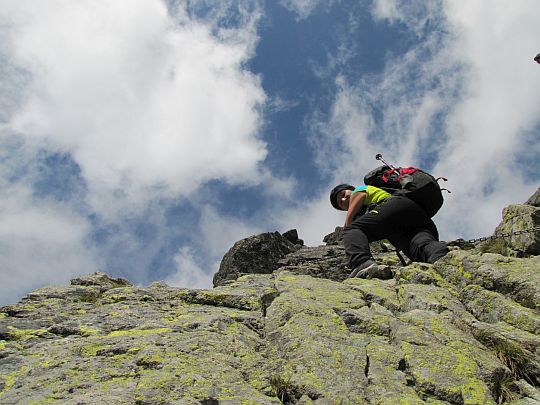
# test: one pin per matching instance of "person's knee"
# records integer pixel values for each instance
(353, 234)
(423, 238)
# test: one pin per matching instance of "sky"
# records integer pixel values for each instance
(143, 138)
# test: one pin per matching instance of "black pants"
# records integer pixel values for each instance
(400, 220)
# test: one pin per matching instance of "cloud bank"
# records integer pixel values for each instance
(148, 102)
(140, 99)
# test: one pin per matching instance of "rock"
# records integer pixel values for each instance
(534, 199)
(321, 261)
(334, 238)
(517, 218)
(452, 335)
(292, 236)
(284, 325)
(257, 254)
(102, 280)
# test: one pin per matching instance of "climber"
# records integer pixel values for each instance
(537, 58)
(374, 214)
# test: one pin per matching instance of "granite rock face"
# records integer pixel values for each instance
(465, 330)
(254, 255)
(516, 219)
(534, 200)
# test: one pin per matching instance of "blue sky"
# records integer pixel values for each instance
(143, 138)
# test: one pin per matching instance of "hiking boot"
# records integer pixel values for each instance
(361, 267)
(374, 270)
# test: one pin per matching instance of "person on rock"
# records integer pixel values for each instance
(373, 214)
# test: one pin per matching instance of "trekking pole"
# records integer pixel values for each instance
(378, 156)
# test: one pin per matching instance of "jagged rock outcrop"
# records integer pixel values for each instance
(534, 200)
(258, 254)
(518, 218)
(463, 331)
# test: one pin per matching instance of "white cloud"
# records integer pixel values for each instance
(220, 232)
(39, 244)
(146, 104)
(189, 274)
(150, 103)
(491, 125)
(303, 8)
(415, 14)
(313, 219)
(216, 234)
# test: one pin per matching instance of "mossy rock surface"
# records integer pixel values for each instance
(463, 331)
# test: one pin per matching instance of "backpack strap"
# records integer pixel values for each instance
(386, 176)
(406, 170)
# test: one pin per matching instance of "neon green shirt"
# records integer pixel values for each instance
(373, 194)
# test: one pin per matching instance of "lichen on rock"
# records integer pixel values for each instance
(284, 324)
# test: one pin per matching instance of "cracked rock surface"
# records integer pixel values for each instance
(463, 331)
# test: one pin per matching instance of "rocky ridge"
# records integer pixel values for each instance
(284, 324)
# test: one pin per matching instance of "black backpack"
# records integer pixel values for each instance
(411, 182)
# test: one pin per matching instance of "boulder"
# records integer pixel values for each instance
(258, 254)
(516, 219)
(534, 199)
(292, 236)
(334, 238)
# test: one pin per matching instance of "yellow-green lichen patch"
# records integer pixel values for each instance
(327, 292)
(87, 331)
(493, 307)
(115, 298)
(51, 399)
(25, 334)
(382, 292)
(90, 296)
(422, 273)
(431, 298)
(91, 349)
(187, 375)
(221, 297)
(10, 379)
(449, 371)
(387, 381)
(153, 360)
(454, 268)
(313, 345)
(138, 332)
(206, 316)
(373, 320)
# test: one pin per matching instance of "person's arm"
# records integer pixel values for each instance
(355, 204)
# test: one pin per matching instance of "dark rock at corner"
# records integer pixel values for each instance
(292, 236)
(519, 231)
(534, 199)
(258, 254)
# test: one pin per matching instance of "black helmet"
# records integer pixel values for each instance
(335, 191)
